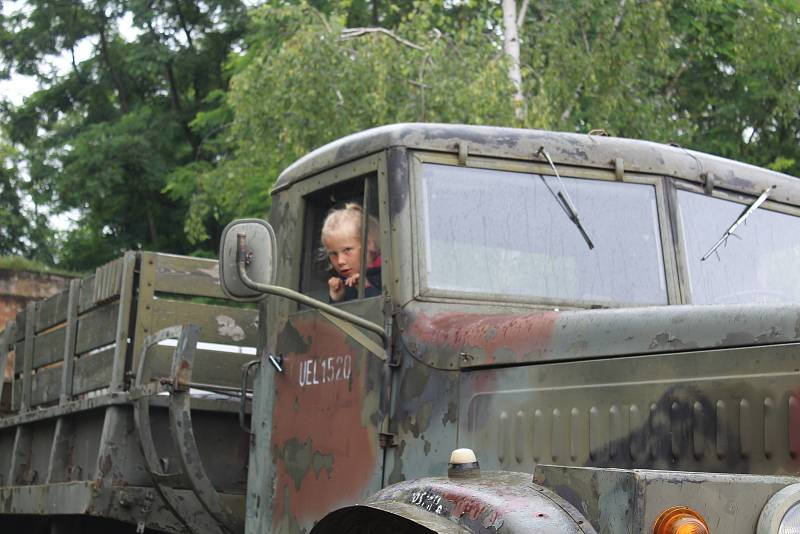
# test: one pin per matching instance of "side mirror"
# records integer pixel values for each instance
(260, 249)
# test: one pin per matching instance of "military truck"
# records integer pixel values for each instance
(610, 325)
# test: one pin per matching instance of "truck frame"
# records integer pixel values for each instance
(570, 307)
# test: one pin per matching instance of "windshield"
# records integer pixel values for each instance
(503, 233)
(759, 263)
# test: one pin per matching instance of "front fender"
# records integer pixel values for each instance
(494, 502)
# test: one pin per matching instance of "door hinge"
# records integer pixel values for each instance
(386, 440)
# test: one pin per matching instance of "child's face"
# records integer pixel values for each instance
(344, 250)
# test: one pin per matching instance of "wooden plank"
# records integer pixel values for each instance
(210, 366)
(218, 324)
(19, 348)
(124, 270)
(46, 385)
(183, 275)
(5, 343)
(48, 348)
(20, 320)
(97, 328)
(27, 365)
(92, 372)
(86, 299)
(51, 311)
(16, 394)
(107, 281)
(71, 332)
(16, 379)
(143, 303)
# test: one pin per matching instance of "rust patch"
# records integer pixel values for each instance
(491, 338)
(325, 446)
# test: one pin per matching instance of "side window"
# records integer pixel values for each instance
(760, 264)
(341, 250)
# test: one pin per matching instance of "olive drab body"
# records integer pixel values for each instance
(510, 335)
(612, 327)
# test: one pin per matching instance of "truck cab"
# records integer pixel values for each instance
(609, 316)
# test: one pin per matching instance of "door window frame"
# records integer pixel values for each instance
(374, 164)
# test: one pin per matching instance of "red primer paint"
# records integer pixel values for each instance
(329, 414)
(522, 334)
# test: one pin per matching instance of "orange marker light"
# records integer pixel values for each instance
(680, 520)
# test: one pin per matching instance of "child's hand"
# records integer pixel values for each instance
(336, 288)
(352, 281)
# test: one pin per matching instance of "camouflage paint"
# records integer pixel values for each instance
(671, 387)
(325, 423)
(493, 502)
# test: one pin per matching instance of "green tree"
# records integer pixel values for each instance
(102, 137)
(15, 226)
(307, 79)
(738, 80)
(161, 137)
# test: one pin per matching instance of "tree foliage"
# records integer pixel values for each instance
(161, 137)
(102, 137)
(306, 81)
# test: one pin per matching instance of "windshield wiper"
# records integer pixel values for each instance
(563, 199)
(742, 218)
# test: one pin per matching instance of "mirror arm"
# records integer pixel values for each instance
(241, 263)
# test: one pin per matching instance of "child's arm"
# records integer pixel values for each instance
(336, 288)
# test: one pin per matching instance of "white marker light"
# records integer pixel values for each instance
(463, 464)
(462, 456)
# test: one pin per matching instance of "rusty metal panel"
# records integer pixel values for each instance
(722, 411)
(468, 336)
(492, 502)
(387, 516)
(325, 423)
(424, 420)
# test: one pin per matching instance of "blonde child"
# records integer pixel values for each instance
(341, 241)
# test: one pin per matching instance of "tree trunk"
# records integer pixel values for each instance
(115, 77)
(511, 47)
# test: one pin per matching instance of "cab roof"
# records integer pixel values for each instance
(564, 148)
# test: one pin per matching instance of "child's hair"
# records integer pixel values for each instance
(350, 213)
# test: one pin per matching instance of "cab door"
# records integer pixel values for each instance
(331, 398)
